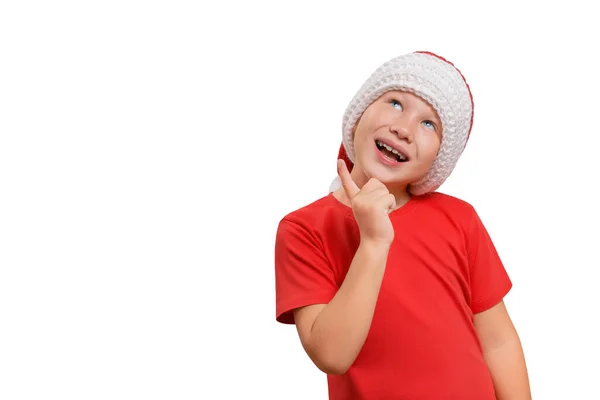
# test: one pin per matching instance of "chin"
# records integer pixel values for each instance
(387, 176)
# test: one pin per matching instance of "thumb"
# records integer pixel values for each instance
(348, 184)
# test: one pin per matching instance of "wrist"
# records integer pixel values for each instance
(374, 246)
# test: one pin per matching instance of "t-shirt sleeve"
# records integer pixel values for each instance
(489, 280)
(303, 275)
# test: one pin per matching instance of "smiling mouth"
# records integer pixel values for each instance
(390, 152)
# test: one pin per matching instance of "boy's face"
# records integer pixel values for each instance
(405, 123)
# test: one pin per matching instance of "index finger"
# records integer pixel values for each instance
(349, 185)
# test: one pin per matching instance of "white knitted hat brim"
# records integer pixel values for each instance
(437, 82)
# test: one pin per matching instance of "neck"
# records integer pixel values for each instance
(401, 197)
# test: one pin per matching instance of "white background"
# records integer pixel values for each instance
(149, 149)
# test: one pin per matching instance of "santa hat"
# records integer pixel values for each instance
(438, 82)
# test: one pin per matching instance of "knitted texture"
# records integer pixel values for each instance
(436, 81)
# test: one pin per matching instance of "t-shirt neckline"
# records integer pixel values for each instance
(409, 206)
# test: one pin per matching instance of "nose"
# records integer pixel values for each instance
(402, 131)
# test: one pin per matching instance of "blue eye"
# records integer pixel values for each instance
(429, 124)
(395, 103)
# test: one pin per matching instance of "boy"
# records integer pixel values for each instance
(397, 290)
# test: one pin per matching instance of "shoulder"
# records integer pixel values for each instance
(321, 223)
(312, 215)
(450, 205)
(445, 213)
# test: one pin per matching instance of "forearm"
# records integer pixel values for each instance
(509, 372)
(340, 329)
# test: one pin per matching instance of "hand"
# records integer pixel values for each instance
(371, 206)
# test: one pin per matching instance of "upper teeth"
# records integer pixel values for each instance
(389, 148)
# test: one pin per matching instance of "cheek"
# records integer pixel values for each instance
(362, 130)
(429, 147)
(371, 120)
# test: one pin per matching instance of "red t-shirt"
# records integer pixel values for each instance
(442, 268)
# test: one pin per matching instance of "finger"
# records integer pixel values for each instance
(374, 185)
(387, 203)
(384, 200)
(391, 202)
(349, 185)
(373, 194)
